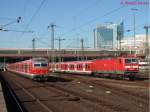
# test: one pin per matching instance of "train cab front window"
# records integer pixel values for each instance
(43, 64)
(37, 65)
(131, 60)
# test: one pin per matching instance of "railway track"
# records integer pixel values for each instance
(131, 88)
(84, 95)
(125, 90)
(12, 102)
(31, 94)
(127, 86)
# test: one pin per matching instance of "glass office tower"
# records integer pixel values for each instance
(107, 36)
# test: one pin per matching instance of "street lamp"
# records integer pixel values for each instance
(146, 41)
(134, 9)
(52, 26)
(94, 37)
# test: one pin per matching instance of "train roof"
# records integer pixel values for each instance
(39, 59)
(90, 61)
(32, 59)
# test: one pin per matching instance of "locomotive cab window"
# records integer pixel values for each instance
(134, 61)
(131, 60)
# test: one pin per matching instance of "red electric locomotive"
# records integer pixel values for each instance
(111, 67)
(36, 68)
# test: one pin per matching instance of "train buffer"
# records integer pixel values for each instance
(2, 101)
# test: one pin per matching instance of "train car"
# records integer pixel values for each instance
(35, 68)
(143, 65)
(111, 67)
(143, 69)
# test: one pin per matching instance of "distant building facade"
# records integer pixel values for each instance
(107, 36)
(128, 43)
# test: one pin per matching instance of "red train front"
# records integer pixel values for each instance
(36, 68)
(131, 65)
(117, 67)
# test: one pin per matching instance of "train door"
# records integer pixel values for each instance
(25, 67)
(119, 65)
(30, 67)
(80, 67)
(119, 70)
(88, 67)
(83, 67)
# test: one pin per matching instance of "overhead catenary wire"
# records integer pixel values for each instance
(87, 8)
(37, 37)
(99, 17)
(17, 30)
(108, 13)
(6, 18)
(25, 7)
(34, 15)
(36, 12)
(89, 22)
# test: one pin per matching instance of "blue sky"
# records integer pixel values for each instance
(74, 19)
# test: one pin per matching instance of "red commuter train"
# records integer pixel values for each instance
(35, 68)
(111, 67)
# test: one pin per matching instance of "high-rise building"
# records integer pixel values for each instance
(107, 36)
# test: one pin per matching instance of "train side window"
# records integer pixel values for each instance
(87, 66)
(25, 68)
(22, 67)
(65, 66)
(72, 66)
(57, 66)
(50, 66)
(78, 66)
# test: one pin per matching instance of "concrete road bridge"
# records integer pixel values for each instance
(13, 55)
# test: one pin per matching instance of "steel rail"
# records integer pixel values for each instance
(36, 99)
(14, 97)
